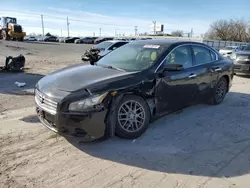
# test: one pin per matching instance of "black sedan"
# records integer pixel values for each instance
(71, 40)
(241, 60)
(130, 87)
(50, 39)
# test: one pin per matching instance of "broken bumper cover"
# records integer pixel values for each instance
(85, 126)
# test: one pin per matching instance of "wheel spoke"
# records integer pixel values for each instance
(129, 109)
(124, 109)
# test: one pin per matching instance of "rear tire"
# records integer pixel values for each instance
(219, 92)
(132, 117)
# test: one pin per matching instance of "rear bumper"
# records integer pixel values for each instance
(84, 126)
(243, 69)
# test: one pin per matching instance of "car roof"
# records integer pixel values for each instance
(166, 42)
(115, 41)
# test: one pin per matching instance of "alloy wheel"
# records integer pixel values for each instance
(131, 116)
(220, 90)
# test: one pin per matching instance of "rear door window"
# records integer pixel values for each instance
(203, 55)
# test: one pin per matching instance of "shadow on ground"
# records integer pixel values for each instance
(30, 119)
(8, 80)
(41, 42)
(203, 140)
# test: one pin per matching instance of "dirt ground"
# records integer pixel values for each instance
(202, 147)
(40, 59)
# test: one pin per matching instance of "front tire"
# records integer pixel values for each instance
(219, 92)
(132, 117)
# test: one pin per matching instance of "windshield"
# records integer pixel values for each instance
(11, 20)
(246, 48)
(132, 57)
(103, 45)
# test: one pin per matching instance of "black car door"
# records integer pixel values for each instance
(207, 68)
(175, 89)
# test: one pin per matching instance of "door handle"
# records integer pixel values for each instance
(217, 69)
(192, 76)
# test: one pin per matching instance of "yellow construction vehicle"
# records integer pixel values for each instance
(10, 30)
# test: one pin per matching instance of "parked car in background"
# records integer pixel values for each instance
(132, 39)
(241, 60)
(102, 39)
(242, 47)
(61, 39)
(100, 50)
(40, 38)
(130, 87)
(71, 39)
(123, 39)
(30, 38)
(50, 39)
(228, 50)
(85, 40)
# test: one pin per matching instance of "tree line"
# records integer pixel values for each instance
(228, 30)
(232, 30)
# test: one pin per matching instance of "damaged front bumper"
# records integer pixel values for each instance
(85, 126)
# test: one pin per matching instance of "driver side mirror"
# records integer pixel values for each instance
(170, 67)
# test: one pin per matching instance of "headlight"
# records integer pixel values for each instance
(89, 103)
(233, 56)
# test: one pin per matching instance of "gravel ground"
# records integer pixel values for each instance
(201, 147)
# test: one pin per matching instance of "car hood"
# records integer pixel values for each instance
(78, 77)
(243, 52)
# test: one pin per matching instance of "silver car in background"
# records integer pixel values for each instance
(228, 50)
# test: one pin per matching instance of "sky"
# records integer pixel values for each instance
(110, 17)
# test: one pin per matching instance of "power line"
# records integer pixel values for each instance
(94, 23)
(74, 20)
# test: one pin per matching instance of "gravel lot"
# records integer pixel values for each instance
(201, 147)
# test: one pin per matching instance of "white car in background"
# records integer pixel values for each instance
(30, 38)
(228, 50)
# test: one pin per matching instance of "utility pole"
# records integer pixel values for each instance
(42, 25)
(68, 25)
(154, 22)
(61, 32)
(100, 31)
(136, 30)
(94, 34)
(191, 33)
